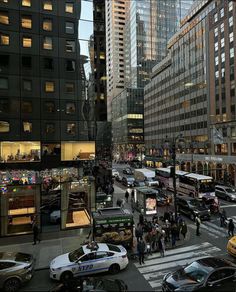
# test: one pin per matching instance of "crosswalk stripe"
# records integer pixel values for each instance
(216, 229)
(194, 227)
(172, 262)
(228, 206)
(156, 267)
(182, 249)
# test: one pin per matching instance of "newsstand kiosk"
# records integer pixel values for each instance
(145, 199)
(113, 225)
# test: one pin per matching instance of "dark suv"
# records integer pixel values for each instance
(193, 207)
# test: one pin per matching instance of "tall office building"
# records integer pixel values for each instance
(51, 116)
(149, 26)
(115, 34)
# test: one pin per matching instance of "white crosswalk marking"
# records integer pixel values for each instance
(156, 267)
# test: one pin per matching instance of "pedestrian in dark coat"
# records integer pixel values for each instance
(184, 229)
(198, 223)
(173, 234)
(127, 196)
(36, 233)
(231, 227)
(141, 219)
(141, 250)
(161, 245)
(139, 232)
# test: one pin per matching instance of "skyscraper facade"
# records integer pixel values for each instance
(50, 112)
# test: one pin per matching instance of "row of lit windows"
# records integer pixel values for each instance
(26, 22)
(27, 127)
(49, 86)
(47, 5)
(27, 42)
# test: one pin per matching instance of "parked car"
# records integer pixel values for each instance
(231, 246)
(128, 171)
(127, 181)
(210, 274)
(225, 192)
(115, 172)
(15, 269)
(193, 207)
(89, 259)
(139, 183)
(91, 285)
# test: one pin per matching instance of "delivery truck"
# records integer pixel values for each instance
(146, 175)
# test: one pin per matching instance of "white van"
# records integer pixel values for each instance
(146, 175)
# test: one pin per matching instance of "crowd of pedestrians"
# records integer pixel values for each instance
(154, 235)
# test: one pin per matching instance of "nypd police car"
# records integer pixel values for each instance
(89, 259)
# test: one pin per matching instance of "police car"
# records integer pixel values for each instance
(89, 259)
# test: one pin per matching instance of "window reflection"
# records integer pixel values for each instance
(26, 107)
(85, 30)
(27, 127)
(70, 46)
(86, 10)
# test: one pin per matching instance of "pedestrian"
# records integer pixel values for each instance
(132, 193)
(223, 218)
(231, 227)
(127, 196)
(132, 204)
(173, 234)
(148, 239)
(141, 219)
(198, 223)
(141, 250)
(184, 229)
(36, 233)
(139, 232)
(161, 245)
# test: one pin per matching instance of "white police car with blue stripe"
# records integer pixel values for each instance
(89, 259)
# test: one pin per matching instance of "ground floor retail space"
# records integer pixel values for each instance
(62, 200)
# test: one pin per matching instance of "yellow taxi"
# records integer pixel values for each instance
(231, 246)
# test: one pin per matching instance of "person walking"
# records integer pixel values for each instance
(36, 233)
(198, 223)
(132, 204)
(161, 245)
(139, 232)
(173, 234)
(127, 196)
(184, 229)
(141, 250)
(231, 227)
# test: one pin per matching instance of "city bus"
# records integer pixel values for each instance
(189, 184)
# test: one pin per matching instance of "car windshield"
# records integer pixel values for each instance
(76, 254)
(195, 203)
(196, 272)
(113, 247)
(228, 190)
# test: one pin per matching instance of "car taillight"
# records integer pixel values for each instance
(124, 256)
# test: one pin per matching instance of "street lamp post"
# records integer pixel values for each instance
(174, 178)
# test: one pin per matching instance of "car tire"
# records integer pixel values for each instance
(114, 269)
(65, 276)
(12, 285)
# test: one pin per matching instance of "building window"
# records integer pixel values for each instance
(4, 17)
(47, 24)
(47, 43)
(222, 57)
(26, 22)
(4, 127)
(26, 3)
(50, 128)
(4, 39)
(3, 83)
(27, 127)
(70, 129)
(231, 52)
(4, 60)
(26, 62)
(230, 5)
(231, 37)
(222, 42)
(48, 64)
(47, 5)
(216, 60)
(70, 27)
(216, 74)
(222, 27)
(221, 12)
(70, 87)
(216, 31)
(233, 132)
(70, 46)
(215, 17)
(49, 86)
(70, 65)
(49, 107)
(4, 1)
(70, 108)
(216, 47)
(27, 85)
(26, 107)
(69, 8)
(27, 42)
(231, 21)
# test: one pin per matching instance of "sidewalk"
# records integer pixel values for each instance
(56, 243)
